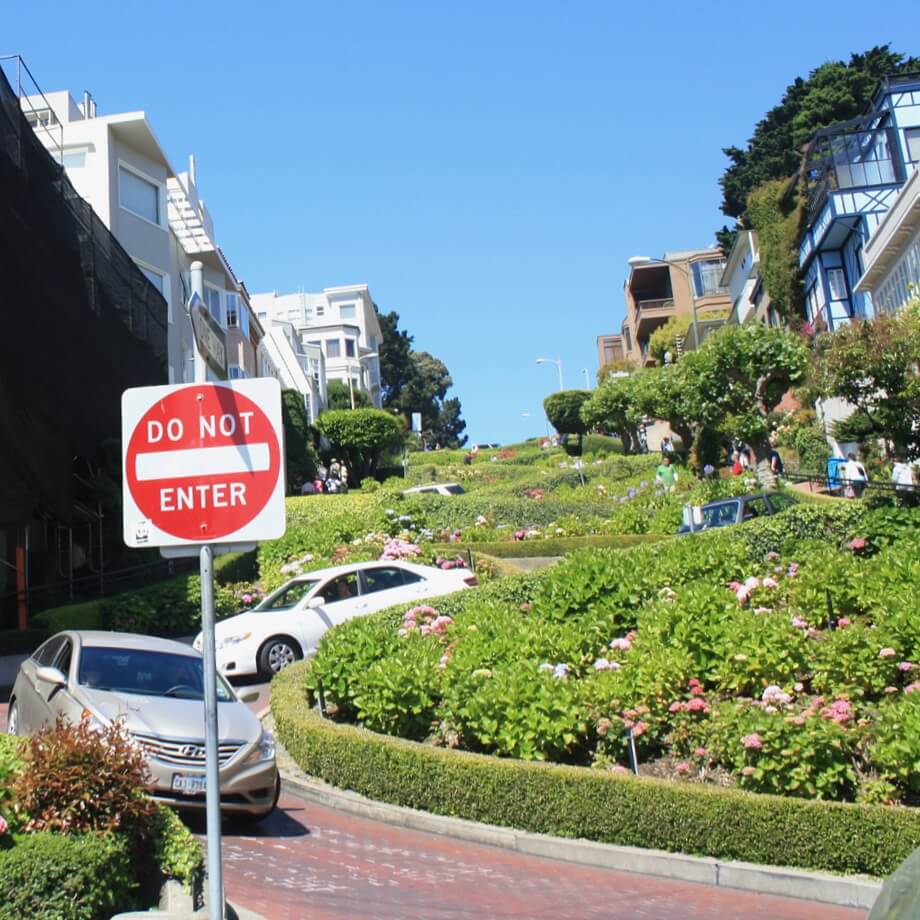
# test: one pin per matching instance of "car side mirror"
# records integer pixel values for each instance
(248, 696)
(317, 601)
(48, 675)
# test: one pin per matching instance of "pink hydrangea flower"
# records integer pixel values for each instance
(912, 688)
(887, 652)
(798, 687)
(701, 752)
(890, 690)
(742, 594)
(906, 666)
(603, 726)
(748, 771)
(682, 767)
(4, 827)
(697, 691)
(772, 555)
(696, 705)
(676, 706)
(247, 599)
(799, 623)
(773, 694)
(602, 664)
(840, 711)
(753, 741)
(843, 622)
(526, 606)
(639, 729)
(770, 582)
(621, 643)
(693, 682)
(857, 543)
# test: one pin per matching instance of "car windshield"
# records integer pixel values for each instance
(720, 515)
(130, 670)
(288, 596)
(455, 490)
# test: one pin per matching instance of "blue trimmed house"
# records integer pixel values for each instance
(854, 170)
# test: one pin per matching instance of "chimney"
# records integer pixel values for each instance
(89, 105)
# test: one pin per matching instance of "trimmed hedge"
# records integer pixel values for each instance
(590, 804)
(553, 546)
(168, 607)
(64, 877)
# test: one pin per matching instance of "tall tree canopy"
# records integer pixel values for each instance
(416, 381)
(835, 91)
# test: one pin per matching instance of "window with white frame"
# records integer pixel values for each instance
(138, 195)
(348, 311)
(212, 301)
(235, 372)
(333, 348)
(320, 309)
(160, 282)
(837, 283)
(349, 348)
(912, 142)
(233, 309)
(74, 158)
(244, 317)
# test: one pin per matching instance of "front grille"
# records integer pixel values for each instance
(184, 752)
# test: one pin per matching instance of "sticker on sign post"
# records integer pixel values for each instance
(203, 463)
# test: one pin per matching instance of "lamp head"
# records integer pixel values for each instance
(639, 260)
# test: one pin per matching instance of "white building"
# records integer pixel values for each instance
(117, 164)
(341, 322)
(299, 367)
(743, 279)
(892, 253)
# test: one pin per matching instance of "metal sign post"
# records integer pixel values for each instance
(212, 765)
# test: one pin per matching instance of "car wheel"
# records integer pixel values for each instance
(246, 819)
(276, 654)
(12, 719)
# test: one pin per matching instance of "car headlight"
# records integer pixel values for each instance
(264, 750)
(233, 640)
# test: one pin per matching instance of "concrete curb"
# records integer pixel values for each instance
(844, 891)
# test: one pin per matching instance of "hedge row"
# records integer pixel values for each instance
(552, 546)
(168, 607)
(584, 803)
(47, 876)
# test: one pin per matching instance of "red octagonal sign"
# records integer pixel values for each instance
(203, 463)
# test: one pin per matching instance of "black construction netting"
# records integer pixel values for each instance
(79, 323)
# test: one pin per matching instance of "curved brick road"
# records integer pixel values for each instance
(308, 861)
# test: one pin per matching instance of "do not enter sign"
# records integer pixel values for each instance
(203, 463)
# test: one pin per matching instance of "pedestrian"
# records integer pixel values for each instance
(307, 488)
(667, 447)
(666, 475)
(467, 459)
(776, 461)
(335, 471)
(855, 476)
(902, 475)
(737, 468)
(343, 474)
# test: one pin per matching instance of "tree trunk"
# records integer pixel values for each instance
(765, 474)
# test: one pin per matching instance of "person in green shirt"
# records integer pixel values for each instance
(666, 474)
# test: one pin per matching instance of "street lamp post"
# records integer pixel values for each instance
(635, 261)
(584, 370)
(558, 363)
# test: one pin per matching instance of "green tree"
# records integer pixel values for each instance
(396, 364)
(361, 436)
(665, 338)
(338, 396)
(300, 456)
(614, 406)
(448, 427)
(619, 366)
(873, 365)
(563, 409)
(740, 374)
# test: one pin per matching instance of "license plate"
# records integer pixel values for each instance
(188, 785)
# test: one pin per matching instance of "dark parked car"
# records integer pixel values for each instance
(728, 511)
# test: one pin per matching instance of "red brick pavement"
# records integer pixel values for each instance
(307, 861)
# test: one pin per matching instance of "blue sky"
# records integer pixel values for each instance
(487, 168)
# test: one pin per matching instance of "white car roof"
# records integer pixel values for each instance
(432, 485)
(356, 566)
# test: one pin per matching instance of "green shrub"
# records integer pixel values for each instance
(86, 615)
(549, 546)
(592, 804)
(175, 851)
(46, 876)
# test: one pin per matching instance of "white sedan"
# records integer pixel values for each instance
(289, 623)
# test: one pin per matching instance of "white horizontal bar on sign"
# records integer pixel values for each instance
(202, 461)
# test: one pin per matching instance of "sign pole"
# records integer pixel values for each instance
(212, 787)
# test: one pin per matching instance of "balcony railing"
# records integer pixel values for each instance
(647, 306)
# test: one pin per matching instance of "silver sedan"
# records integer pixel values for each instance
(154, 687)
